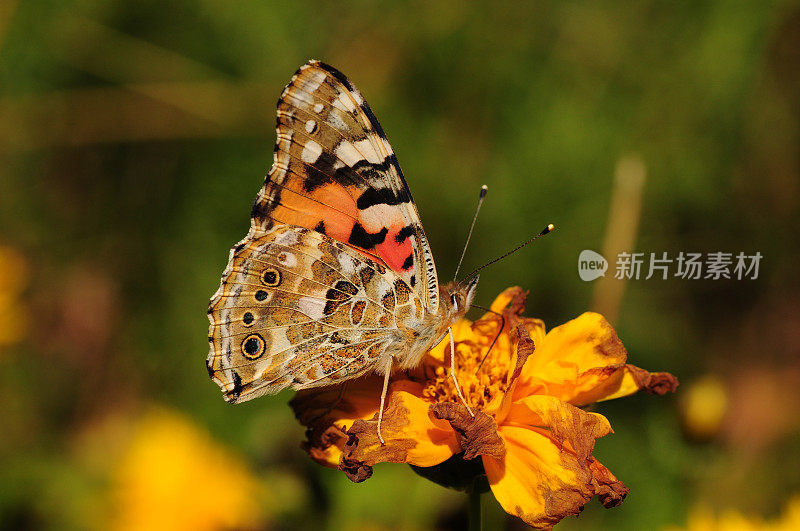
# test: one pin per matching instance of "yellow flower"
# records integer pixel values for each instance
(174, 476)
(534, 440)
(703, 519)
(703, 407)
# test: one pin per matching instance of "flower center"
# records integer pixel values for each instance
(480, 383)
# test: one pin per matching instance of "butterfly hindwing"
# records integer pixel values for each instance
(299, 309)
(335, 172)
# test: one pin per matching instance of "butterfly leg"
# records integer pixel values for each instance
(453, 371)
(383, 397)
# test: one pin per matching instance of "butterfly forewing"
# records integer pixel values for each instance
(335, 173)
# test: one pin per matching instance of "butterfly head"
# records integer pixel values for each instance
(458, 297)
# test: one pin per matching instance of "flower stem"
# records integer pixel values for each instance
(475, 516)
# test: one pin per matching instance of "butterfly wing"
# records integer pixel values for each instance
(299, 309)
(335, 172)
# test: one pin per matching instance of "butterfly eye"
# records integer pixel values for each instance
(454, 301)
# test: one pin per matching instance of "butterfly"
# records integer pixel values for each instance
(335, 278)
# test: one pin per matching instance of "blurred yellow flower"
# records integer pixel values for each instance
(534, 440)
(174, 476)
(703, 407)
(703, 519)
(13, 281)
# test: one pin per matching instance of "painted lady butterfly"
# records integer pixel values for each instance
(335, 278)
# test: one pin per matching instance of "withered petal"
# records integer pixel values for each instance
(477, 435)
(542, 480)
(324, 444)
(655, 383)
(565, 422)
(583, 361)
(355, 470)
(539, 481)
(412, 435)
(525, 347)
(629, 379)
(511, 302)
(609, 490)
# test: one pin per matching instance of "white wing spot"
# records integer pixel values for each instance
(387, 146)
(288, 238)
(348, 264)
(347, 102)
(311, 152)
(318, 108)
(348, 153)
(314, 81)
(365, 147)
(287, 260)
(311, 126)
(336, 121)
(312, 307)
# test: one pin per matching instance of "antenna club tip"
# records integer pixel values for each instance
(484, 189)
(548, 228)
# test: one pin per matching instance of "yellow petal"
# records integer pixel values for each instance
(343, 404)
(328, 413)
(542, 480)
(411, 434)
(462, 331)
(635, 379)
(565, 422)
(504, 299)
(511, 304)
(583, 361)
(581, 344)
(537, 481)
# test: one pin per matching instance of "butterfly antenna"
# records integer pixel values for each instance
(546, 230)
(484, 189)
(502, 327)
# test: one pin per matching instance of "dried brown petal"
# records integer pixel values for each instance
(477, 435)
(655, 383)
(411, 434)
(610, 491)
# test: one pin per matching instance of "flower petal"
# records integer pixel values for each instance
(541, 481)
(565, 422)
(635, 379)
(583, 361)
(477, 433)
(610, 491)
(329, 412)
(537, 481)
(525, 347)
(411, 434)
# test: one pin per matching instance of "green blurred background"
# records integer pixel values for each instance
(134, 136)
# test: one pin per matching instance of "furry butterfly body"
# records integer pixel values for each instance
(335, 278)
